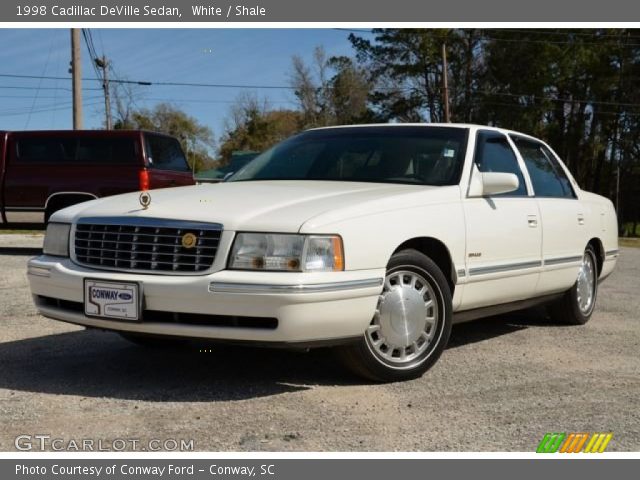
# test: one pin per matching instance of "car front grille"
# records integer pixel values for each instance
(146, 245)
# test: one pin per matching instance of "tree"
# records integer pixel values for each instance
(334, 91)
(577, 88)
(197, 140)
(252, 126)
(124, 99)
(405, 66)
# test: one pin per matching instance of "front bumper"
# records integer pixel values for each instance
(306, 307)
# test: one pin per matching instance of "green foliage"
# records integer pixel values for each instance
(254, 127)
(197, 140)
(578, 89)
(334, 91)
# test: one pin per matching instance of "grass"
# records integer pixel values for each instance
(629, 242)
(627, 228)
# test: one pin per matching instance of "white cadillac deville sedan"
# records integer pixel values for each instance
(373, 239)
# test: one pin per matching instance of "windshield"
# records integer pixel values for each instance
(413, 155)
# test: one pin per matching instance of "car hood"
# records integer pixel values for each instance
(268, 206)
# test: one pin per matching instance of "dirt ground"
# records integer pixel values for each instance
(500, 386)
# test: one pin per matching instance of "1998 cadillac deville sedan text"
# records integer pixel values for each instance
(373, 239)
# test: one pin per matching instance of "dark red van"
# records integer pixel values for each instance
(44, 171)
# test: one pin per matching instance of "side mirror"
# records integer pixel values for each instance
(485, 184)
(227, 175)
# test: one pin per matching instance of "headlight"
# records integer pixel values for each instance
(324, 254)
(56, 240)
(285, 252)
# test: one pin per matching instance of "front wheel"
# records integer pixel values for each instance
(577, 304)
(411, 324)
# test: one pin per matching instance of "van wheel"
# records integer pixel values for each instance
(64, 201)
(411, 325)
(577, 304)
(47, 214)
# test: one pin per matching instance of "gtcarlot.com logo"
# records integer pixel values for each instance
(574, 443)
(49, 443)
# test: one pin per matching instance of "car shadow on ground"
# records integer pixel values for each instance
(20, 251)
(491, 327)
(100, 364)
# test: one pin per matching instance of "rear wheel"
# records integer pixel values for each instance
(577, 304)
(411, 325)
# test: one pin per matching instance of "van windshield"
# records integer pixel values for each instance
(395, 154)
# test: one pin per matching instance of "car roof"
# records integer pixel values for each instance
(83, 132)
(470, 126)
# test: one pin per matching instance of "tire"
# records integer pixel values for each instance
(411, 326)
(574, 308)
(153, 342)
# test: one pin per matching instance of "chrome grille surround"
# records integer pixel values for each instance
(145, 245)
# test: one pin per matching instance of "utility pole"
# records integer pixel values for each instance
(104, 65)
(445, 84)
(76, 78)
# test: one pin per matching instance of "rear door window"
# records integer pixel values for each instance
(547, 176)
(165, 153)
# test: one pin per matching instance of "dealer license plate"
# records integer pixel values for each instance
(118, 300)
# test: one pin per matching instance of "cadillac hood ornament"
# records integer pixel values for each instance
(145, 199)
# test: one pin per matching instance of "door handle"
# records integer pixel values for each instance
(580, 219)
(533, 221)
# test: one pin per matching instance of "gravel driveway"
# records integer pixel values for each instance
(501, 385)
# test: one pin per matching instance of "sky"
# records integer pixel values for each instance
(220, 56)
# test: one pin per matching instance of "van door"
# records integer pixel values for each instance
(34, 162)
(166, 162)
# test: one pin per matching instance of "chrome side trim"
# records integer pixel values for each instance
(462, 272)
(612, 253)
(560, 260)
(230, 287)
(503, 268)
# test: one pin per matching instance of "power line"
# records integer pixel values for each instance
(510, 105)
(354, 30)
(525, 31)
(563, 32)
(28, 96)
(163, 84)
(35, 97)
(55, 104)
(86, 35)
(20, 87)
(559, 99)
(43, 110)
(178, 100)
(547, 42)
